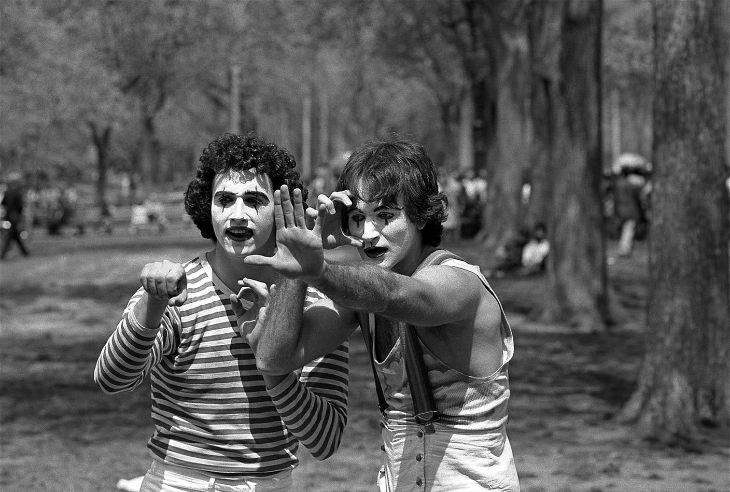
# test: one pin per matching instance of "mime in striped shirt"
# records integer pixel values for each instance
(221, 423)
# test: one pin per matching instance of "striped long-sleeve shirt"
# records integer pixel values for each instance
(210, 406)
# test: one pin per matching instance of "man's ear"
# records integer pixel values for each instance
(421, 224)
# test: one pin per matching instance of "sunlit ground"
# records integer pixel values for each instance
(60, 433)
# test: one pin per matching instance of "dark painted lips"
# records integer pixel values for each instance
(375, 252)
(239, 233)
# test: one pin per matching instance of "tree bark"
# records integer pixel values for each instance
(682, 387)
(306, 158)
(568, 81)
(509, 156)
(102, 141)
(466, 132)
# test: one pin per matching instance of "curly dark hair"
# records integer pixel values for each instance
(238, 153)
(388, 170)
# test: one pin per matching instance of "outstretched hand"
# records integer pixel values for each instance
(299, 246)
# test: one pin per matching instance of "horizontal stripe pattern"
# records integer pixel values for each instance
(210, 406)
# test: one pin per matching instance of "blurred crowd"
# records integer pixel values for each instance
(467, 195)
(57, 207)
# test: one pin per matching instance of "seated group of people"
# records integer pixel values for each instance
(524, 254)
(246, 344)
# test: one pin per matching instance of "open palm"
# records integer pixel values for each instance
(299, 249)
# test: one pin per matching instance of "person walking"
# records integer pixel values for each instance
(12, 202)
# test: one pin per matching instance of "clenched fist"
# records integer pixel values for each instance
(165, 281)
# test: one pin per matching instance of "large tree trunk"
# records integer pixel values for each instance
(149, 153)
(683, 383)
(509, 156)
(568, 82)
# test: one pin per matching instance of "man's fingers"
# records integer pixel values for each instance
(324, 200)
(259, 260)
(298, 203)
(286, 206)
(179, 299)
(311, 219)
(259, 290)
(279, 221)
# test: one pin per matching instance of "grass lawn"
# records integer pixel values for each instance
(58, 432)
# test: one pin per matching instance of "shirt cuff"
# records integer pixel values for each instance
(137, 327)
(284, 388)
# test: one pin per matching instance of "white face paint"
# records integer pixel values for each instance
(389, 238)
(242, 212)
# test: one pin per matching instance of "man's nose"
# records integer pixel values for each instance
(239, 210)
(369, 231)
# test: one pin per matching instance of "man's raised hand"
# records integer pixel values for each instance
(299, 249)
(165, 281)
(332, 214)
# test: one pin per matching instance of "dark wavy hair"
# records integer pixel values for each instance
(388, 170)
(238, 153)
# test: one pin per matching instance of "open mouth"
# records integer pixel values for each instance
(375, 252)
(239, 233)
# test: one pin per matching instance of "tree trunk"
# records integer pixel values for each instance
(466, 132)
(102, 141)
(235, 100)
(324, 132)
(510, 155)
(306, 159)
(569, 81)
(682, 386)
(149, 153)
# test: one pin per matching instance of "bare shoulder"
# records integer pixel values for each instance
(450, 278)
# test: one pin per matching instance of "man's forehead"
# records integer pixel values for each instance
(248, 177)
(361, 204)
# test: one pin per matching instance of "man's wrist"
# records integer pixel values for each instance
(316, 280)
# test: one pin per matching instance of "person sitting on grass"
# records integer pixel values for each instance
(219, 422)
(443, 424)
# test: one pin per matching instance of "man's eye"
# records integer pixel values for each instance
(385, 216)
(225, 200)
(254, 202)
(357, 219)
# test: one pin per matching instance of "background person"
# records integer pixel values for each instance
(13, 201)
(219, 421)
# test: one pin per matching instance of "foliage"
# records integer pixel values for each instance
(373, 68)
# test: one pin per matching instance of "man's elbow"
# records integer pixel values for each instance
(327, 450)
(109, 387)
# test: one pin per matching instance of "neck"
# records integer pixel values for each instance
(409, 265)
(231, 269)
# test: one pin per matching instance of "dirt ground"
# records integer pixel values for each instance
(58, 432)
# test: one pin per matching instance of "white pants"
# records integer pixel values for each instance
(162, 477)
(447, 460)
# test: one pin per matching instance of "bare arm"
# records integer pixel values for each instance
(434, 296)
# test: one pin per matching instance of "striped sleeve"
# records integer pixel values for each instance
(314, 406)
(132, 350)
